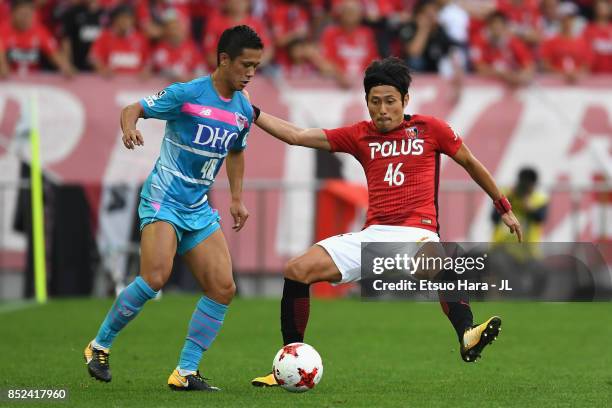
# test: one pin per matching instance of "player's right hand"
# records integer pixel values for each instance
(131, 138)
(513, 224)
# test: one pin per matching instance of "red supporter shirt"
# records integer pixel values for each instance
(144, 7)
(382, 8)
(566, 54)
(505, 57)
(182, 60)
(217, 23)
(600, 39)
(287, 18)
(351, 51)
(23, 48)
(123, 55)
(525, 14)
(402, 167)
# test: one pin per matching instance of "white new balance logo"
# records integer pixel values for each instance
(205, 112)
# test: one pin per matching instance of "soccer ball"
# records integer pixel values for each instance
(297, 367)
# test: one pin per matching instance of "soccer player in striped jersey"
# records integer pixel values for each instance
(400, 155)
(207, 121)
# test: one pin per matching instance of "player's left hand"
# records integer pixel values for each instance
(239, 213)
(515, 226)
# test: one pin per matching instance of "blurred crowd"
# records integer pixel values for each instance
(506, 39)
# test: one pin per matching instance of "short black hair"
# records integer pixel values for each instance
(389, 71)
(235, 39)
(527, 176)
(18, 3)
(120, 10)
(497, 15)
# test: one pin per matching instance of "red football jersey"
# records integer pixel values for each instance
(600, 38)
(402, 167)
(351, 51)
(183, 59)
(566, 53)
(504, 57)
(123, 55)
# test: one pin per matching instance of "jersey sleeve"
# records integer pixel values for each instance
(247, 122)
(166, 104)
(47, 42)
(449, 142)
(342, 139)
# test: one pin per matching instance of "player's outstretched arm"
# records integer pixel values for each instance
(234, 165)
(129, 116)
(483, 178)
(291, 134)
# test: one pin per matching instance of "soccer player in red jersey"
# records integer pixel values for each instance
(400, 155)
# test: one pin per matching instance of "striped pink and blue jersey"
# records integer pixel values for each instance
(201, 128)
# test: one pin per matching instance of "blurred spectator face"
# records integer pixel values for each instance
(297, 51)
(549, 9)
(567, 12)
(602, 10)
(350, 13)
(23, 16)
(430, 12)
(237, 7)
(123, 23)
(498, 29)
(175, 31)
(527, 181)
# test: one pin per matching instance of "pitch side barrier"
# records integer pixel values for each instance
(549, 271)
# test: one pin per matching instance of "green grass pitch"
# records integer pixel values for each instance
(375, 354)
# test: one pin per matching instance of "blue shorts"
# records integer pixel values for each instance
(191, 227)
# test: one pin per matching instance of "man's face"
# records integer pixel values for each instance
(602, 9)
(23, 17)
(386, 107)
(497, 29)
(350, 13)
(241, 69)
(123, 23)
(237, 7)
(175, 31)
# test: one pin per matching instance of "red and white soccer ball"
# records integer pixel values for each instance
(297, 367)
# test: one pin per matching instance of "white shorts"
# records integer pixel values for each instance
(345, 249)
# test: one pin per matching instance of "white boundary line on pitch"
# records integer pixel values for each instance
(16, 306)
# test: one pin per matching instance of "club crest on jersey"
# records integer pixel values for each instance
(150, 100)
(412, 132)
(241, 121)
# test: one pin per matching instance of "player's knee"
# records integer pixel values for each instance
(224, 292)
(156, 274)
(155, 281)
(296, 270)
